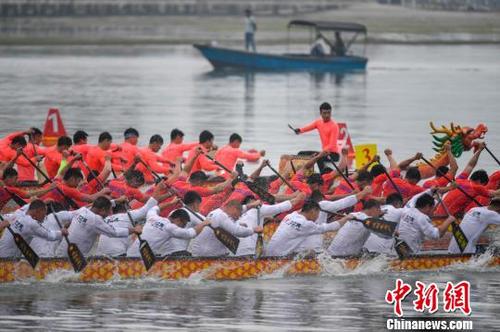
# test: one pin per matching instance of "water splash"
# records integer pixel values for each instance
(339, 267)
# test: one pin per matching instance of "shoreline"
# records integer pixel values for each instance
(386, 25)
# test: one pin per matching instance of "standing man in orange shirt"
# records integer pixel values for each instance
(328, 132)
(228, 155)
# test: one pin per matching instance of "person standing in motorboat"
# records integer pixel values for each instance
(250, 28)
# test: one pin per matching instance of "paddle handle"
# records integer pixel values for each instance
(450, 181)
(217, 163)
(281, 177)
(90, 171)
(346, 179)
(292, 128)
(492, 155)
(392, 182)
(156, 175)
(58, 222)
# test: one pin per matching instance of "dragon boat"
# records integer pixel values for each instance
(102, 269)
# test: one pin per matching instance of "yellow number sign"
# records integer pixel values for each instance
(364, 153)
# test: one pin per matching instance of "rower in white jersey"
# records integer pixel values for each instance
(87, 224)
(296, 227)
(207, 245)
(159, 231)
(352, 236)
(391, 211)
(255, 217)
(27, 223)
(314, 242)
(415, 224)
(474, 223)
(44, 247)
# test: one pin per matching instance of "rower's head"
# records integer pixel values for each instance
(377, 169)
(233, 209)
(248, 12)
(80, 137)
(18, 142)
(119, 208)
(36, 135)
(371, 208)
(413, 175)
(63, 143)
(441, 171)
(480, 177)
(310, 210)
(176, 136)
(134, 178)
(325, 110)
(262, 183)
(131, 135)
(9, 176)
(364, 179)
(235, 140)
(105, 140)
(495, 205)
(37, 210)
(54, 206)
(248, 199)
(206, 139)
(193, 200)
(317, 196)
(425, 204)
(179, 217)
(102, 206)
(198, 178)
(394, 199)
(155, 143)
(73, 177)
(314, 181)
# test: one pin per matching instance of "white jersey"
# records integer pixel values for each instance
(315, 241)
(414, 227)
(207, 245)
(350, 238)
(117, 246)
(28, 228)
(292, 231)
(473, 225)
(84, 229)
(179, 244)
(249, 218)
(44, 247)
(250, 24)
(378, 244)
(158, 231)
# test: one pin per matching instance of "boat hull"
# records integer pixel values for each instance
(224, 58)
(106, 269)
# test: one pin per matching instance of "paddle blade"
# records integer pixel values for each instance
(147, 254)
(26, 250)
(266, 197)
(227, 239)
(76, 257)
(382, 227)
(460, 236)
(402, 249)
(259, 246)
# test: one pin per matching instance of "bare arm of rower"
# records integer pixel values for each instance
(473, 161)
(190, 162)
(221, 186)
(452, 161)
(444, 226)
(259, 169)
(393, 165)
(406, 163)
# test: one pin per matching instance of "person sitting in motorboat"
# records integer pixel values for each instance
(339, 48)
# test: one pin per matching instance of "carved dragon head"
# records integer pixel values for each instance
(461, 138)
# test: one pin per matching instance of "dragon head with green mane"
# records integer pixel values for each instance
(461, 138)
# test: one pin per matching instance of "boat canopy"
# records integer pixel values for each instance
(330, 25)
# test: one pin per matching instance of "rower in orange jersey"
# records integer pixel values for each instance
(154, 161)
(129, 148)
(129, 186)
(96, 154)
(328, 132)
(202, 163)
(11, 184)
(32, 150)
(475, 185)
(69, 186)
(493, 185)
(176, 148)
(443, 172)
(55, 155)
(12, 152)
(229, 154)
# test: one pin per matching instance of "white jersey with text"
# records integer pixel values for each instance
(350, 238)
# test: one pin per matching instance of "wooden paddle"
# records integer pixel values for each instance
(24, 247)
(451, 181)
(90, 172)
(292, 128)
(402, 248)
(456, 230)
(381, 227)
(259, 245)
(74, 254)
(147, 254)
(289, 185)
(492, 155)
(66, 198)
(15, 197)
(267, 197)
(157, 176)
(392, 182)
(227, 239)
(346, 179)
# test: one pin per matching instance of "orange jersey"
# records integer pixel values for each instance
(151, 159)
(128, 152)
(202, 163)
(27, 173)
(174, 151)
(228, 156)
(54, 195)
(328, 133)
(406, 189)
(52, 161)
(121, 188)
